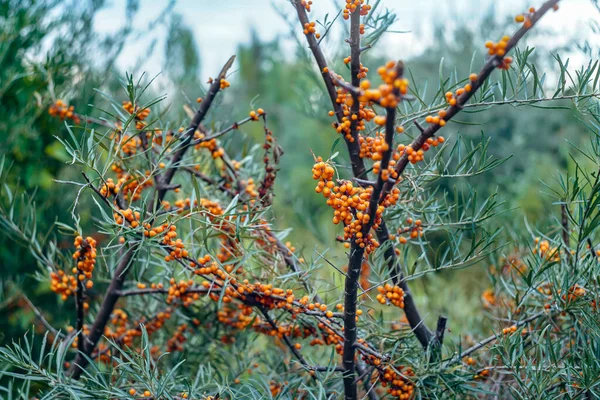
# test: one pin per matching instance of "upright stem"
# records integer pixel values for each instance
(357, 252)
(108, 304)
(79, 312)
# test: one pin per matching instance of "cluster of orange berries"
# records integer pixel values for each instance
(211, 145)
(63, 284)
(306, 4)
(180, 291)
(255, 114)
(509, 330)
(109, 188)
(397, 379)
(274, 388)
(470, 361)
(250, 189)
(393, 86)
(309, 28)
(150, 232)
(483, 374)
(85, 255)
(543, 249)
(373, 147)
(345, 100)
(488, 298)
(133, 217)
(575, 292)
(178, 250)
(499, 49)
(140, 114)
(130, 186)
(415, 156)
(61, 110)
(353, 5)
(452, 98)
(158, 321)
(350, 204)
(124, 332)
(415, 228)
(239, 320)
(175, 343)
(129, 145)
(393, 294)
(525, 18)
(224, 84)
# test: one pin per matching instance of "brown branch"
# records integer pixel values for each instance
(188, 135)
(41, 317)
(492, 338)
(438, 339)
(286, 339)
(417, 323)
(369, 388)
(357, 252)
(209, 180)
(358, 165)
(564, 224)
(141, 292)
(491, 64)
(232, 127)
(441, 329)
(79, 314)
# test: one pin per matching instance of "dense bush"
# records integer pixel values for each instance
(187, 287)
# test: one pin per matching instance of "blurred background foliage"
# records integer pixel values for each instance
(49, 50)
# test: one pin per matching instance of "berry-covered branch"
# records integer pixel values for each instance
(498, 59)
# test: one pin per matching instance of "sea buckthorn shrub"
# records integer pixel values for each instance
(185, 289)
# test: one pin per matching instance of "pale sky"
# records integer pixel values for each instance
(220, 25)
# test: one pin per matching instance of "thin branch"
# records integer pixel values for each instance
(286, 339)
(358, 165)
(209, 180)
(41, 317)
(232, 127)
(417, 323)
(189, 133)
(492, 338)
